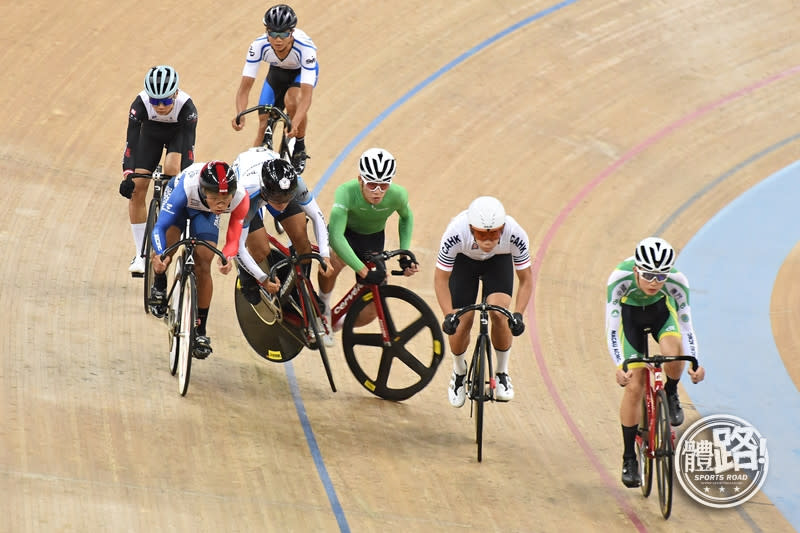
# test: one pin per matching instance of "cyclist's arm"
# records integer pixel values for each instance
(235, 227)
(132, 135)
(679, 290)
(614, 316)
(313, 212)
(168, 217)
(441, 285)
(524, 290)
(338, 242)
(406, 223)
(243, 93)
(187, 131)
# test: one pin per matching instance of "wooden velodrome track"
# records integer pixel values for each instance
(593, 121)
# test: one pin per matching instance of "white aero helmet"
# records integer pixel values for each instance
(161, 82)
(485, 213)
(654, 254)
(377, 164)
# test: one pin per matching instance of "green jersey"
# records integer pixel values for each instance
(622, 289)
(351, 211)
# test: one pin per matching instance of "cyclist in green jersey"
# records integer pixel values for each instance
(360, 210)
(646, 291)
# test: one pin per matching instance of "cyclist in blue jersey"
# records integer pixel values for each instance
(291, 78)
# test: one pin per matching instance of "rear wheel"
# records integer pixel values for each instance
(188, 321)
(664, 454)
(643, 452)
(407, 363)
(147, 248)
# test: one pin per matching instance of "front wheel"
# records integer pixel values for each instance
(188, 321)
(314, 322)
(403, 366)
(477, 390)
(147, 248)
(643, 452)
(664, 454)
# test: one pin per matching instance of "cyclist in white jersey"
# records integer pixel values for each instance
(256, 170)
(161, 117)
(482, 243)
(290, 81)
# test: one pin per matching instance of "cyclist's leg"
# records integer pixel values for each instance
(205, 226)
(363, 244)
(267, 97)
(669, 342)
(147, 157)
(158, 292)
(498, 284)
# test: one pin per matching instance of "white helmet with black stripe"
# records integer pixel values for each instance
(377, 164)
(654, 254)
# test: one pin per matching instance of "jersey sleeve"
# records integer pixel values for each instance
(520, 245)
(678, 287)
(449, 247)
(312, 210)
(171, 208)
(235, 227)
(254, 56)
(336, 227)
(405, 224)
(614, 292)
(136, 116)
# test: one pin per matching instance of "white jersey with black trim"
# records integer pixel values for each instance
(172, 116)
(247, 167)
(303, 55)
(458, 239)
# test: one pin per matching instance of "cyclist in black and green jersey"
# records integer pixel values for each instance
(646, 291)
(360, 210)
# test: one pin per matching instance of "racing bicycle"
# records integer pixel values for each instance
(393, 357)
(181, 317)
(480, 381)
(655, 441)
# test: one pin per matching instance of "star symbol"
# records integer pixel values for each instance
(737, 489)
(722, 489)
(707, 489)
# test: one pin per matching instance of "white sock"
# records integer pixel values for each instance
(138, 236)
(502, 361)
(326, 299)
(460, 363)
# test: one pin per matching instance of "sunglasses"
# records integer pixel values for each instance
(161, 101)
(486, 235)
(279, 34)
(653, 276)
(378, 186)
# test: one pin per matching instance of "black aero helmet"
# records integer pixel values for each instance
(280, 18)
(278, 181)
(217, 176)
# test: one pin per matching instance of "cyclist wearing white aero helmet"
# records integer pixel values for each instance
(482, 243)
(161, 116)
(358, 218)
(646, 291)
